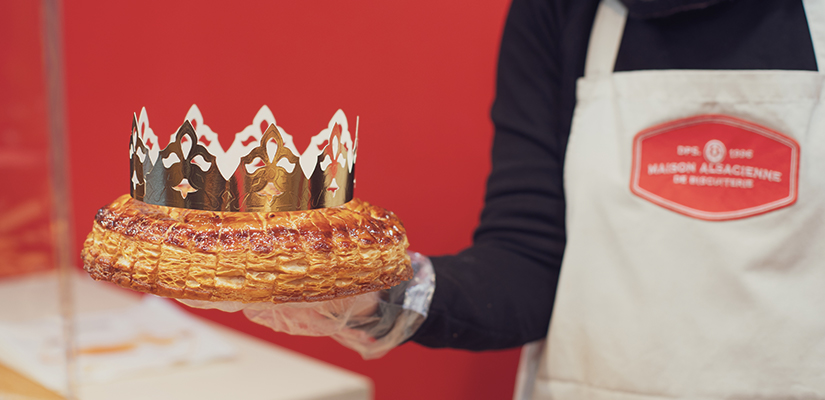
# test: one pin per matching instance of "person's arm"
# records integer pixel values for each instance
(499, 292)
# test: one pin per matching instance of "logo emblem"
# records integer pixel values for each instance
(715, 167)
(714, 151)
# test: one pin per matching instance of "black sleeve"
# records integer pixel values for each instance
(499, 292)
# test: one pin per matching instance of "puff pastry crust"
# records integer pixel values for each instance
(248, 257)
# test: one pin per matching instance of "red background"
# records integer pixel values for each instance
(25, 238)
(420, 74)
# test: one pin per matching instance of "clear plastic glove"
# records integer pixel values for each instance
(371, 324)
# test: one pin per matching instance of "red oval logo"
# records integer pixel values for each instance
(715, 167)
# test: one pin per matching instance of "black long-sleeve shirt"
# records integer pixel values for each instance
(499, 293)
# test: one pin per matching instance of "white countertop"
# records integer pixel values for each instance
(258, 370)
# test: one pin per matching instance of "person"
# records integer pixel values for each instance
(654, 209)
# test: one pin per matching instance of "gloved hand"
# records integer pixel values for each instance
(371, 324)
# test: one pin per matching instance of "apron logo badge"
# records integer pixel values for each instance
(714, 151)
(715, 167)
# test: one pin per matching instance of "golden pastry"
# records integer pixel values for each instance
(275, 257)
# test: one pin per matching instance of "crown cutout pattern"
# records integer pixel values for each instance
(260, 172)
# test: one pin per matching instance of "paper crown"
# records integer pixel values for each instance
(261, 171)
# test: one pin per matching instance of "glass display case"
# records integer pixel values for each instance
(36, 319)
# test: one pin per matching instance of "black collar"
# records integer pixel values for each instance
(645, 9)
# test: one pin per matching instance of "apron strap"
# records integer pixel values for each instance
(815, 12)
(605, 38)
(608, 27)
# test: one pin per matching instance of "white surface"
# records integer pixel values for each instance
(259, 370)
(153, 333)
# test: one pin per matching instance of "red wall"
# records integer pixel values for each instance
(420, 74)
(25, 235)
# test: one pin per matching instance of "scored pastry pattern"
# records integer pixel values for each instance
(228, 256)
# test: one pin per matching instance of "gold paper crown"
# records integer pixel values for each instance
(260, 172)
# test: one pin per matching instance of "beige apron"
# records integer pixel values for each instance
(656, 304)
